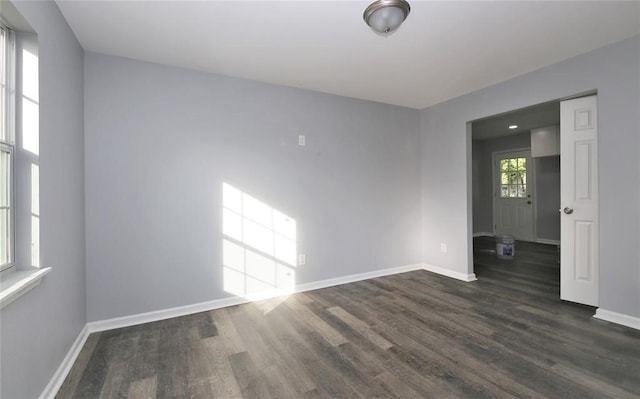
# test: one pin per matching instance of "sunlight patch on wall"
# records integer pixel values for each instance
(259, 247)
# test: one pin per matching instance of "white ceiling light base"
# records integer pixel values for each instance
(385, 16)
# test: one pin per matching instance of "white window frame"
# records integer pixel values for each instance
(7, 143)
(10, 265)
(18, 279)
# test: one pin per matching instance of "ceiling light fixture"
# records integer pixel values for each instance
(513, 127)
(385, 16)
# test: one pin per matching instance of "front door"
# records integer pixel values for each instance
(579, 269)
(513, 194)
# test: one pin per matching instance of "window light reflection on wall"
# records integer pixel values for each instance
(259, 247)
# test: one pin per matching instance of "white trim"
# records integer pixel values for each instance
(357, 277)
(483, 234)
(450, 273)
(61, 373)
(141, 318)
(19, 282)
(547, 241)
(148, 317)
(618, 318)
(538, 240)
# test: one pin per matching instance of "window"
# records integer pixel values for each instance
(20, 266)
(6, 149)
(513, 178)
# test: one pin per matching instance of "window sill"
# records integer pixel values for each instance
(19, 282)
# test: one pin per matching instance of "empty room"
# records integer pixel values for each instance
(319, 199)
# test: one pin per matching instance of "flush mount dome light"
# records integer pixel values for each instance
(385, 16)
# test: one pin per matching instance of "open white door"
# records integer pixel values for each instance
(579, 269)
(513, 193)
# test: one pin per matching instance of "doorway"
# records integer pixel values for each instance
(508, 136)
(513, 168)
(516, 193)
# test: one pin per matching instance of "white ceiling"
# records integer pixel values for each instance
(443, 50)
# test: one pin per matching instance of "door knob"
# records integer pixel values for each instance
(567, 210)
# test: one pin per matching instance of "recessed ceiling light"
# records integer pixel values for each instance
(513, 127)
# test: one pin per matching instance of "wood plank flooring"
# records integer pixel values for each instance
(411, 335)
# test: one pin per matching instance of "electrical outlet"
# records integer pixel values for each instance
(302, 259)
(302, 141)
(443, 248)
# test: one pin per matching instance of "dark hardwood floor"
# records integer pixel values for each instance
(411, 335)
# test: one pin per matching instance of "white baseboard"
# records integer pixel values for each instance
(483, 234)
(357, 277)
(618, 318)
(538, 240)
(148, 317)
(450, 273)
(547, 241)
(56, 381)
(141, 318)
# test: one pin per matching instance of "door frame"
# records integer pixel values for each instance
(531, 172)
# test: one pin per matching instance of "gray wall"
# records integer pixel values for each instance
(160, 141)
(547, 186)
(445, 140)
(548, 198)
(39, 328)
